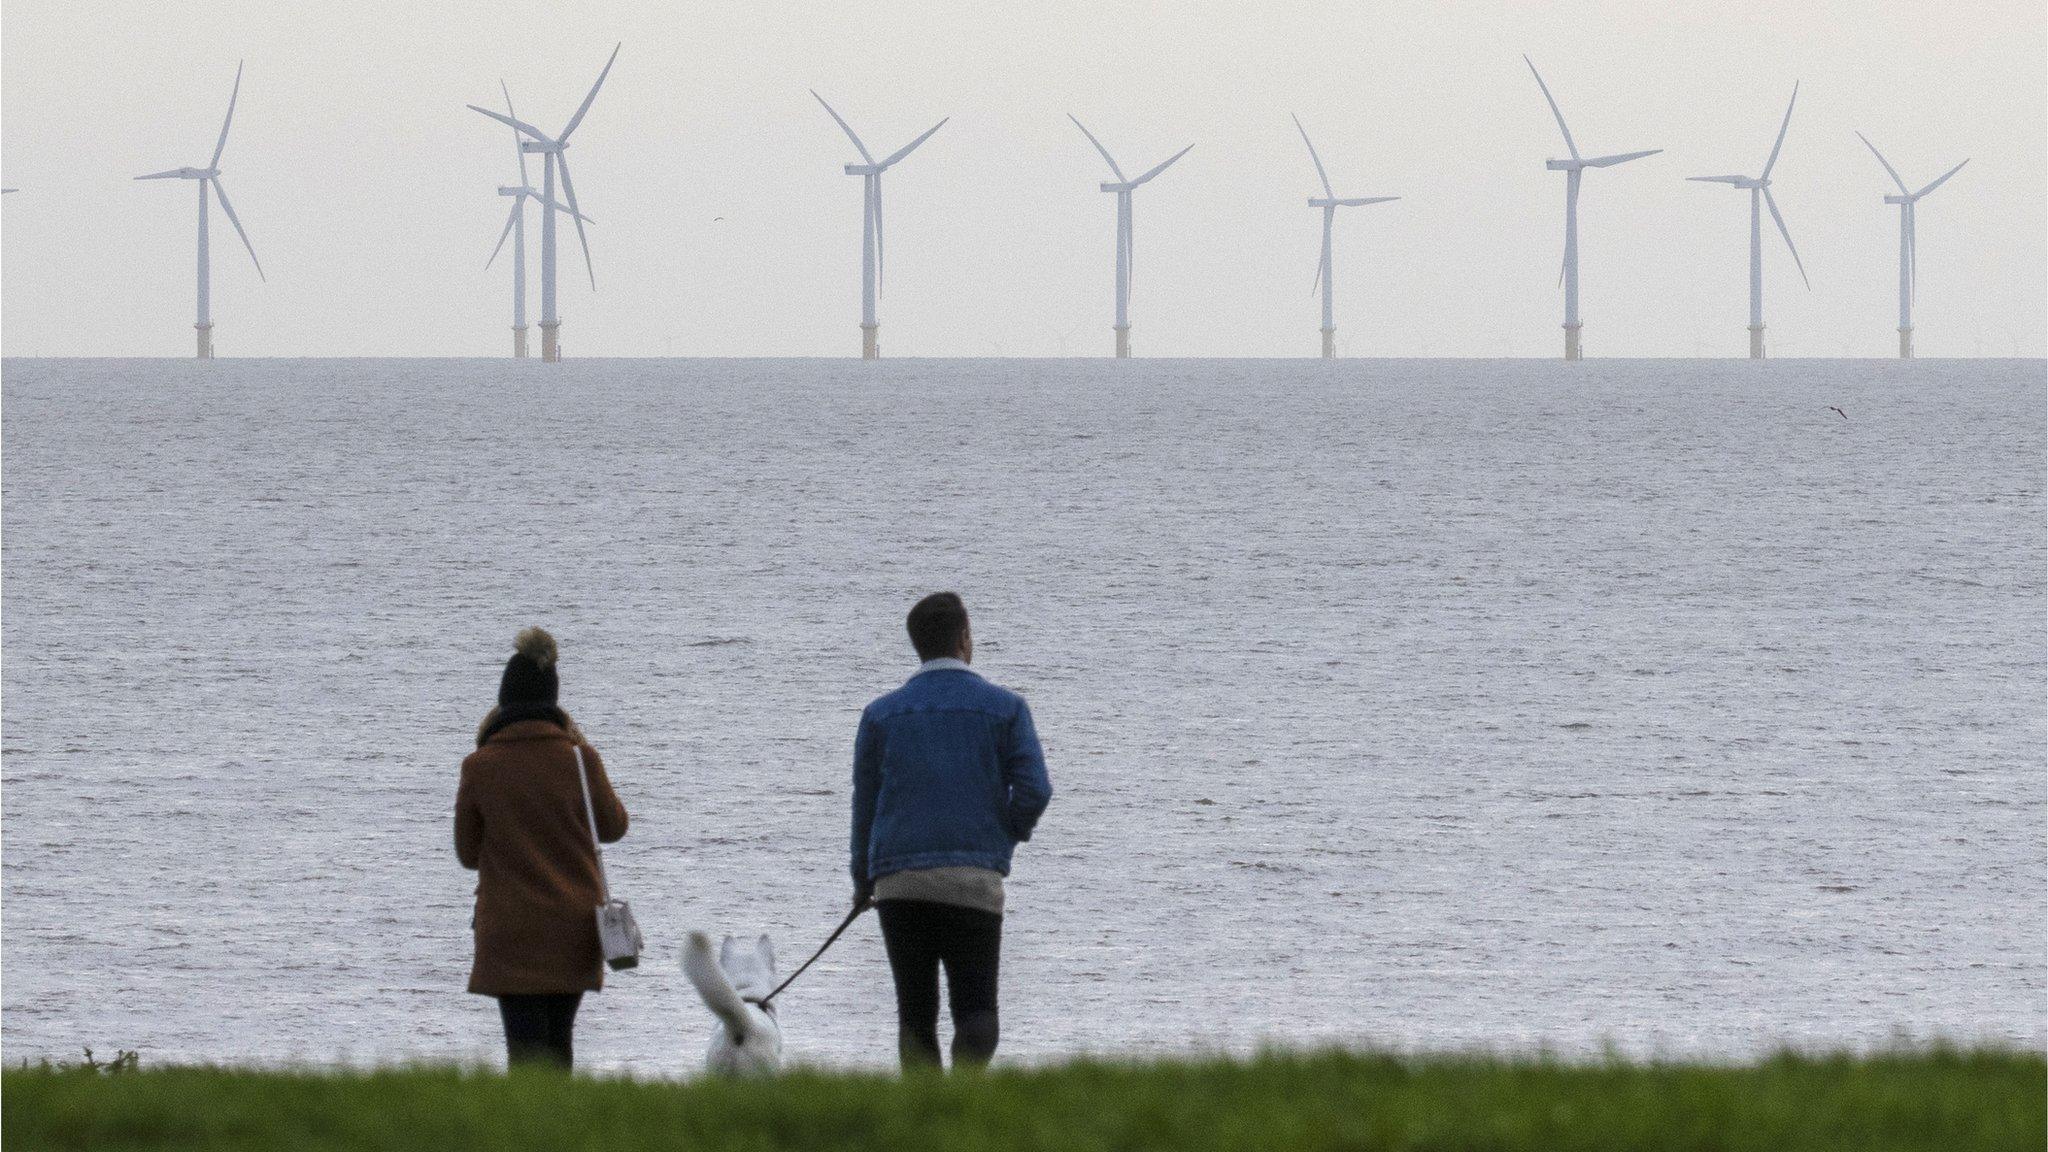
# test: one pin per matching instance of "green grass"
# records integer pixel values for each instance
(1940, 1099)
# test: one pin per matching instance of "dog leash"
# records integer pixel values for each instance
(836, 933)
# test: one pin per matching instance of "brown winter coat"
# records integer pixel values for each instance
(519, 821)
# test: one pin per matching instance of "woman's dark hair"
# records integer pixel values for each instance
(937, 624)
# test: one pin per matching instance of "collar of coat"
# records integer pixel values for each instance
(944, 664)
(531, 721)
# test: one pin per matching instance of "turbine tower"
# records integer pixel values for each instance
(1329, 204)
(206, 177)
(515, 227)
(1573, 169)
(871, 260)
(1909, 257)
(1759, 188)
(1122, 187)
(554, 148)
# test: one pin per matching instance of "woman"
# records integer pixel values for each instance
(520, 822)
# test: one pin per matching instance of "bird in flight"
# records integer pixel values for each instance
(1838, 412)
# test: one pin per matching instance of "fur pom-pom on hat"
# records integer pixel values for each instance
(536, 645)
(530, 676)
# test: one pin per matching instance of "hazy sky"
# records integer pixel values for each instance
(369, 189)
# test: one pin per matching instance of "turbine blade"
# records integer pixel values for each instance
(1623, 158)
(1320, 174)
(221, 144)
(517, 203)
(1363, 200)
(1940, 182)
(585, 106)
(517, 125)
(845, 127)
(222, 192)
(516, 149)
(1731, 180)
(1322, 262)
(1781, 132)
(1553, 106)
(1098, 147)
(565, 210)
(1163, 165)
(569, 194)
(173, 174)
(1772, 204)
(900, 153)
(1887, 164)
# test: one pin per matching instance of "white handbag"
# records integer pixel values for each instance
(618, 934)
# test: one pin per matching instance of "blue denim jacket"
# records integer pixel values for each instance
(946, 771)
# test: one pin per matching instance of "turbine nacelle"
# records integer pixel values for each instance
(866, 169)
(1900, 199)
(542, 147)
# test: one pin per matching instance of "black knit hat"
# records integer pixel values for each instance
(530, 673)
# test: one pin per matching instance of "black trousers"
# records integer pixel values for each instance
(538, 1027)
(921, 937)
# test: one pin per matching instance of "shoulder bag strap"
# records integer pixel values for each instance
(604, 888)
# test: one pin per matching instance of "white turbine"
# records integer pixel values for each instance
(515, 227)
(1574, 169)
(1759, 188)
(1909, 250)
(1122, 187)
(1329, 203)
(553, 148)
(209, 176)
(871, 261)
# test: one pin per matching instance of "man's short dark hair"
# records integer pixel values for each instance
(938, 624)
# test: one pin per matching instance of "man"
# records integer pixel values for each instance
(947, 779)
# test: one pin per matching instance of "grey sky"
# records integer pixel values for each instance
(369, 189)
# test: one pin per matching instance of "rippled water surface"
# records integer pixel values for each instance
(1417, 703)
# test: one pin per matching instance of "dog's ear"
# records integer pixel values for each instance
(766, 948)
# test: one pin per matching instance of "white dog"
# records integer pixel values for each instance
(732, 984)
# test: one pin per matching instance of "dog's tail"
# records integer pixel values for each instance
(700, 964)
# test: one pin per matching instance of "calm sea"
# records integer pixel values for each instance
(1418, 704)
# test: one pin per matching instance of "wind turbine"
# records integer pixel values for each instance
(209, 176)
(1329, 204)
(1909, 253)
(515, 227)
(871, 261)
(1574, 169)
(1122, 187)
(1759, 198)
(553, 148)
